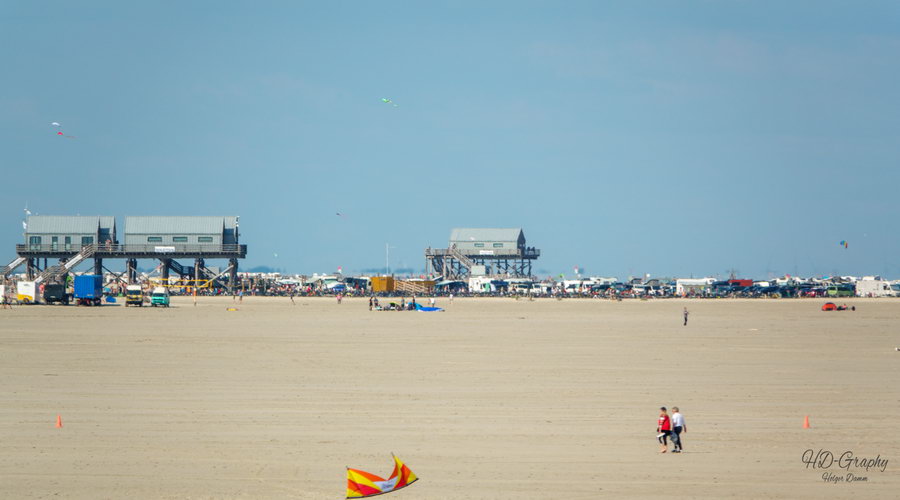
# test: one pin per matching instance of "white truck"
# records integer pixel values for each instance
(873, 287)
(25, 292)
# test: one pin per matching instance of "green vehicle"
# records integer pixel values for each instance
(159, 297)
(845, 290)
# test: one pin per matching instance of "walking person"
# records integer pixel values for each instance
(292, 297)
(370, 303)
(678, 426)
(685, 316)
(663, 429)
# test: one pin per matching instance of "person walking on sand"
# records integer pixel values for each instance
(432, 301)
(678, 426)
(663, 429)
(370, 302)
(292, 297)
(685, 316)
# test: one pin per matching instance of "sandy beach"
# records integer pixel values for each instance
(492, 399)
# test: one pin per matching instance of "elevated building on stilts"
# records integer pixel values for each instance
(55, 245)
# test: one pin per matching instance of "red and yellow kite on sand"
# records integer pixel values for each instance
(361, 484)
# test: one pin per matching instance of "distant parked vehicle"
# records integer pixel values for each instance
(134, 296)
(874, 288)
(159, 297)
(844, 290)
(56, 293)
(25, 292)
(88, 289)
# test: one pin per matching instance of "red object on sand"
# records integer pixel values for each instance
(829, 306)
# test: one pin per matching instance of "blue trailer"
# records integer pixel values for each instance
(88, 289)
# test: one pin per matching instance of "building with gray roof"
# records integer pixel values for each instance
(75, 239)
(196, 230)
(482, 251)
(68, 233)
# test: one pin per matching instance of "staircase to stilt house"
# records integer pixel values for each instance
(55, 273)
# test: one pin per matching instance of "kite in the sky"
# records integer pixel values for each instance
(361, 484)
(60, 133)
(844, 244)
(388, 101)
(339, 214)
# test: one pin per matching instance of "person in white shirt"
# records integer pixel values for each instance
(678, 427)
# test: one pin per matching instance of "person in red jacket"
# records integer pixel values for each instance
(663, 429)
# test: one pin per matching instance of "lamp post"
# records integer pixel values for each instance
(387, 256)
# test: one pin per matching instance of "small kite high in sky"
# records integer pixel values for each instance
(844, 244)
(361, 484)
(387, 100)
(60, 133)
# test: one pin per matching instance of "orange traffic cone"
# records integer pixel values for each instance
(806, 422)
(58, 422)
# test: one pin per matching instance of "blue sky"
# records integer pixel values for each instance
(670, 138)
